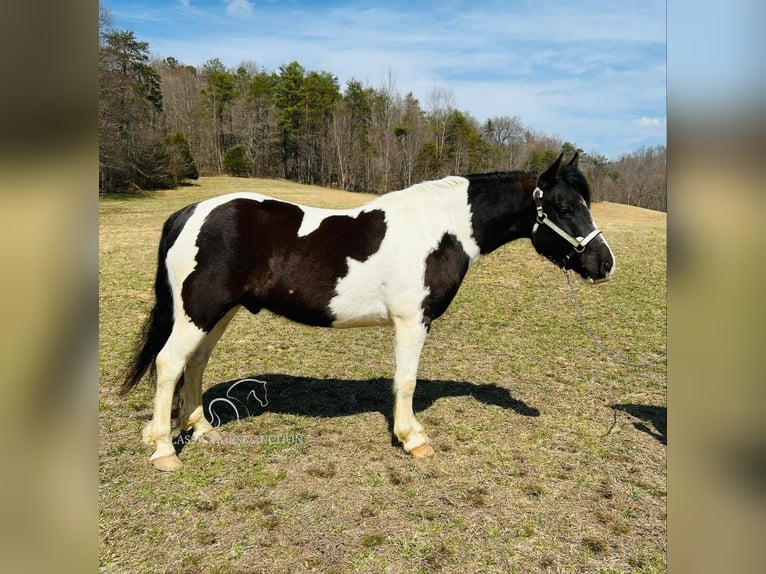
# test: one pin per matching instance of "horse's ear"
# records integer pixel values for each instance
(548, 179)
(575, 158)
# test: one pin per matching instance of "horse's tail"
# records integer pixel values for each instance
(158, 325)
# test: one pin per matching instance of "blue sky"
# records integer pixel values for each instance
(590, 72)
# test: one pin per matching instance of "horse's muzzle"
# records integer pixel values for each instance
(597, 263)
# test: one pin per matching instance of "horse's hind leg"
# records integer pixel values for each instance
(171, 361)
(191, 413)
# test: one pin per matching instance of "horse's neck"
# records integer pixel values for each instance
(501, 213)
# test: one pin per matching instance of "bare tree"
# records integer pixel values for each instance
(410, 132)
(441, 102)
(640, 179)
(182, 99)
(506, 135)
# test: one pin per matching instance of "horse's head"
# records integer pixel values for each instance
(564, 230)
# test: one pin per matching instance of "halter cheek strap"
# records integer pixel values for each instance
(578, 243)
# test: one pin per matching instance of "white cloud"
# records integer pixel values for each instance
(185, 3)
(646, 122)
(239, 8)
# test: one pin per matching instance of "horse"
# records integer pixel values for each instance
(397, 260)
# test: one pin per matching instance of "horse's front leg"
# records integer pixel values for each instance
(410, 335)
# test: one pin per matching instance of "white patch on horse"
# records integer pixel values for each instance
(391, 282)
(603, 241)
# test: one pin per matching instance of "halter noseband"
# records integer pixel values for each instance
(578, 243)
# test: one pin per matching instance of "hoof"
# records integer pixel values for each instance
(210, 437)
(167, 463)
(422, 451)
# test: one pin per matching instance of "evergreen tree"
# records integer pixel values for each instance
(124, 55)
(131, 146)
(235, 162)
(182, 164)
(217, 96)
(287, 97)
(539, 159)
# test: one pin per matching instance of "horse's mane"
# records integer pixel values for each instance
(576, 180)
(496, 176)
(570, 174)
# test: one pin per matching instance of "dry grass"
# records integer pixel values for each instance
(549, 457)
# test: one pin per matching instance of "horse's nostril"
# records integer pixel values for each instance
(606, 267)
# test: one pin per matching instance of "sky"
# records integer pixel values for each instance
(591, 72)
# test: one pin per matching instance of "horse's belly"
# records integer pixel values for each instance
(361, 322)
(359, 298)
(358, 312)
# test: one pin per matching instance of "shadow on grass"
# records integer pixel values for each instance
(302, 396)
(656, 416)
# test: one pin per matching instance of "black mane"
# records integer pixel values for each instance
(570, 174)
(576, 180)
(498, 175)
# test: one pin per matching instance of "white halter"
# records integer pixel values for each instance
(578, 243)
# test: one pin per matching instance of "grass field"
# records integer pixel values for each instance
(549, 457)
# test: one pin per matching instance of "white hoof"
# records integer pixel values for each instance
(167, 463)
(422, 451)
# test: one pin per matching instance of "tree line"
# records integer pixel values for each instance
(162, 123)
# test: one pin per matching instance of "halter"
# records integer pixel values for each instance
(578, 243)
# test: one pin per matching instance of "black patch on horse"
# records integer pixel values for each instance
(445, 268)
(500, 209)
(250, 254)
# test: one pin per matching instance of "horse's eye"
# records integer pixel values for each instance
(566, 212)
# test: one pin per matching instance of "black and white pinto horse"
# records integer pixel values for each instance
(397, 260)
